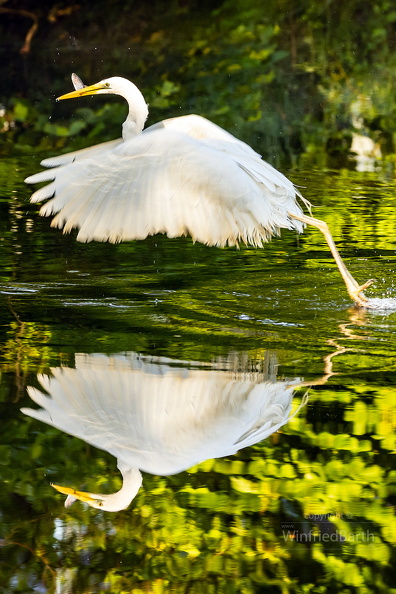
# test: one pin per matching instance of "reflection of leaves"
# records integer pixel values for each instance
(24, 348)
(220, 520)
(242, 485)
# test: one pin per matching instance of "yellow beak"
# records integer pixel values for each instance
(81, 495)
(91, 90)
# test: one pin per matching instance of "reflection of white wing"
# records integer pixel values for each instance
(157, 416)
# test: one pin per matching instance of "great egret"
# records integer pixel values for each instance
(159, 416)
(182, 176)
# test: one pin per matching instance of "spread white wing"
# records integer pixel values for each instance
(183, 176)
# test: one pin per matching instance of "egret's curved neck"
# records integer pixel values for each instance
(138, 112)
(132, 481)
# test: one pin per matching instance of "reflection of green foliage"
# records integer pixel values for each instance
(25, 349)
(219, 527)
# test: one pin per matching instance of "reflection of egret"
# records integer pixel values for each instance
(365, 152)
(181, 176)
(158, 417)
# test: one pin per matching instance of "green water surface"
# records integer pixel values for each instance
(310, 508)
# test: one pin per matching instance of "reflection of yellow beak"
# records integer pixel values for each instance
(81, 495)
(91, 90)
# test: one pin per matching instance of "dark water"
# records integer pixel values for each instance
(215, 347)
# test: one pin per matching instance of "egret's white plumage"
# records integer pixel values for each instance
(182, 176)
(158, 416)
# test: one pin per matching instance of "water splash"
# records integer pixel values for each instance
(385, 303)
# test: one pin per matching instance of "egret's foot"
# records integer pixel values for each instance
(367, 284)
(353, 288)
(357, 295)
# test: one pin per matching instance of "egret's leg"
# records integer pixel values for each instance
(353, 288)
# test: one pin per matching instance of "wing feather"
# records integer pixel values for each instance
(185, 176)
(85, 153)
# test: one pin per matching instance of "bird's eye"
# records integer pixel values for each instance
(107, 85)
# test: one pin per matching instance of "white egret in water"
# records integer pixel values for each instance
(159, 416)
(182, 176)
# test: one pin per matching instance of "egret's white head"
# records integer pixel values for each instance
(116, 85)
